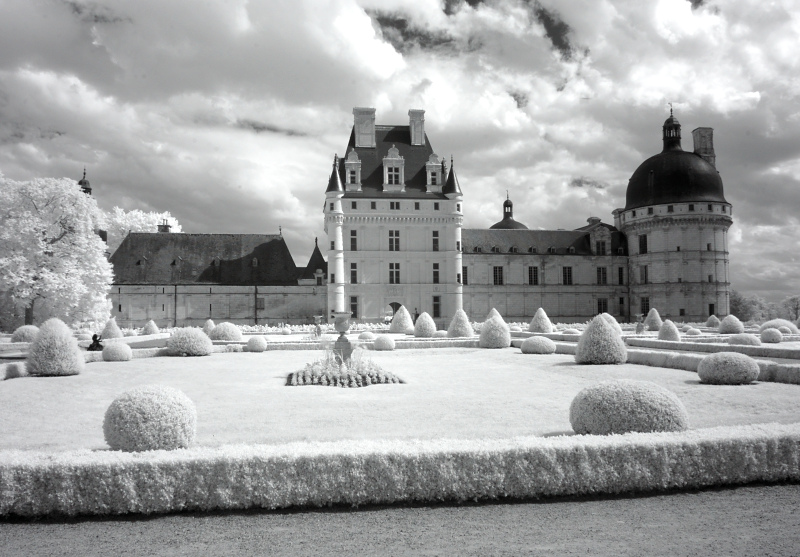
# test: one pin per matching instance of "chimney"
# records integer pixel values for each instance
(364, 126)
(704, 144)
(416, 123)
(164, 227)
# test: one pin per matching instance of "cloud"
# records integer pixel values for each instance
(261, 127)
(584, 182)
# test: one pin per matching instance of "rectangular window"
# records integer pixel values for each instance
(416, 205)
(354, 307)
(435, 273)
(644, 305)
(319, 281)
(394, 240)
(331, 206)
(642, 243)
(723, 208)
(332, 245)
(354, 204)
(649, 210)
(333, 278)
(622, 306)
(601, 247)
(681, 312)
(260, 303)
(435, 206)
(710, 207)
(691, 206)
(353, 273)
(394, 205)
(458, 207)
(352, 176)
(353, 240)
(710, 278)
(643, 274)
(602, 305)
(678, 249)
(566, 275)
(711, 310)
(670, 209)
(497, 274)
(394, 273)
(708, 247)
(393, 175)
(680, 279)
(458, 245)
(435, 240)
(163, 308)
(437, 306)
(464, 276)
(458, 278)
(373, 205)
(119, 308)
(533, 276)
(433, 178)
(602, 276)
(620, 275)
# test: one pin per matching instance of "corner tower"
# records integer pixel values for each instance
(676, 221)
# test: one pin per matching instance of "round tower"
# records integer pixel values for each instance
(676, 221)
(334, 219)
(452, 190)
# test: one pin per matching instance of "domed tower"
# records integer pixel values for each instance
(84, 184)
(676, 221)
(508, 222)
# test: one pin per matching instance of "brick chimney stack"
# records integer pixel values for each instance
(704, 144)
(364, 126)
(416, 123)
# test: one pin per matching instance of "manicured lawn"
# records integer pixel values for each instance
(449, 392)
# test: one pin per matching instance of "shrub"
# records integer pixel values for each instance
(226, 331)
(730, 324)
(775, 323)
(189, 341)
(256, 344)
(234, 348)
(613, 322)
(383, 342)
(366, 335)
(15, 370)
(772, 336)
(669, 331)
(424, 327)
(744, 339)
(83, 336)
(208, 326)
(494, 313)
(55, 351)
(653, 320)
(785, 330)
(149, 418)
(150, 328)
(117, 352)
(694, 332)
(623, 406)
(686, 328)
(727, 368)
(570, 332)
(440, 334)
(515, 329)
(129, 332)
(600, 344)
(111, 330)
(538, 345)
(713, 322)
(402, 322)
(26, 333)
(460, 326)
(540, 323)
(286, 331)
(495, 333)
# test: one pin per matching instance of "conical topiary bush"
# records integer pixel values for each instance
(208, 326)
(713, 321)
(540, 323)
(460, 325)
(600, 344)
(730, 325)
(54, 351)
(402, 322)
(425, 326)
(111, 330)
(150, 328)
(612, 321)
(494, 313)
(495, 334)
(653, 320)
(669, 331)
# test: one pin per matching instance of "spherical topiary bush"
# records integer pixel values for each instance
(495, 334)
(771, 336)
(730, 324)
(538, 345)
(111, 330)
(611, 320)
(727, 368)
(775, 323)
(653, 320)
(744, 339)
(540, 323)
(189, 342)
(570, 332)
(383, 342)
(685, 328)
(515, 329)
(26, 333)
(256, 343)
(669, 331)
(624, 406)
(440, 334)
(150, 418)
(366, 335)
(460, 325)
(694, 332)
(713, 322)
(424, 327)
(54, 351)
(208, 326)
(286, 331)
(150, 328)
(600, 344)
(117, 352)
(226, 331)
(785, 330)
(402, 322)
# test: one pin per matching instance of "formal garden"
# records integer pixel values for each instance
(233, 417)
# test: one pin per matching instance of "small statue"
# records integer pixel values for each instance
(96, 345)
(639, 323)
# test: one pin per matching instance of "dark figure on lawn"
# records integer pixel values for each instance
(96, 345)
(416, 315)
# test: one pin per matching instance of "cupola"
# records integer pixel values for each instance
(508, 222)
(84, 184)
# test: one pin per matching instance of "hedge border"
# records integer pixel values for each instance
(757, 351)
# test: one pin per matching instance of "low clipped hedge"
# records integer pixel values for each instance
(538, 345)
(771, 336)
(624, 406)
(351, 379)
(189, 341)
(775, 323)
(744, 339)
(728, 368)
(117, 352)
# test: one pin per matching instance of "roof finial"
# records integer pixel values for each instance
(507, 198)
(336, 160)
(451, 160)
(84, 172)
(315, 241)
(670, 110)
(280, 230)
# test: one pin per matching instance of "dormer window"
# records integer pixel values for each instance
(393, 175)
(393, 171)
(513, 249)
(477, 249)
(352, 166)
(433, 178)
(495, 249)
(571, 249)
(551, 249)
(433, 171)
(532, 249)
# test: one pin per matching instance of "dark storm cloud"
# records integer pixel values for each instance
(91, 12)
(452, 6)
(404, 36)
(584, 182)
(696, 3)
(261, 127)
(555, 29)
(520, 98)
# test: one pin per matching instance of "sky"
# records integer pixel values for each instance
(228, 113)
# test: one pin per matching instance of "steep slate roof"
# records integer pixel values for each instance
(416, 156)
(542, 240)
(316, 261)
(223, 259)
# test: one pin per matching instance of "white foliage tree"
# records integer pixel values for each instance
(118, 223)
(52, 262)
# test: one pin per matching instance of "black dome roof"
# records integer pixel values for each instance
(674, 176)
(508, 224)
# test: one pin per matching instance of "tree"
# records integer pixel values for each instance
(52, 262)
(118, 223)
(751, 308)
(792, 305)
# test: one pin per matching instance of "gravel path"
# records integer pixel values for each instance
(745, 521)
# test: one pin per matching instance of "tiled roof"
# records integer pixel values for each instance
(316, 261)
(224, 259)
(416, 156)
(541, 240)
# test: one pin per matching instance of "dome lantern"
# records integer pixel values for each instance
(671, 133)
